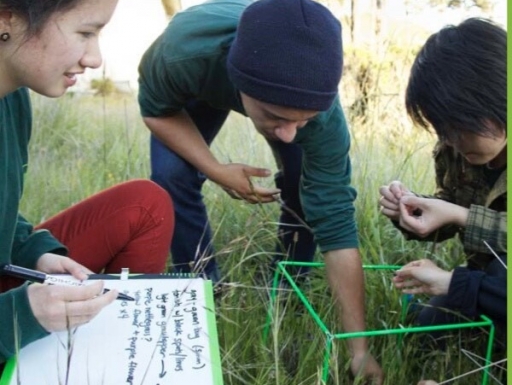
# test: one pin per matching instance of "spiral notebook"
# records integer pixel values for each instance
(168, 335)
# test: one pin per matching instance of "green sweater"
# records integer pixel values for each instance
(188, 62)
(19, 244)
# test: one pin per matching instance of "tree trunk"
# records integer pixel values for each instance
(352, 19)
(171, 7)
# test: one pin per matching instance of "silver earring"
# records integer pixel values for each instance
(5, 36)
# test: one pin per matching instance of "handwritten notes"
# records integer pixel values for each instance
(163, 337)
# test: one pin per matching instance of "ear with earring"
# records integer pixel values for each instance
(5, 36)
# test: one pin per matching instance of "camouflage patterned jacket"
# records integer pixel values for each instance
(484, 192)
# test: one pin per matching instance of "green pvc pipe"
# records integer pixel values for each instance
(281, 269)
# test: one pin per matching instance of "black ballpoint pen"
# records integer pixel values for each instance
(40, 277)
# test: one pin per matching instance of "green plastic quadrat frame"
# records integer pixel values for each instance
(330, 337)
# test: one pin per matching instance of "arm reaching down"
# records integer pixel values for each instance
(345, 277)
(179, 133)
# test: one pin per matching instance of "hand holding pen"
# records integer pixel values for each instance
(49, 279)
(57, 264)
(61, 307)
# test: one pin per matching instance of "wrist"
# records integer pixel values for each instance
(358, 347)
(445, 279)
(460, 216)
(213, 171)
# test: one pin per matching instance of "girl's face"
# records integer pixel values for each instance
(49, 62)
(479, 150)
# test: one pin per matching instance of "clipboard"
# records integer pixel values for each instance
(167, 335)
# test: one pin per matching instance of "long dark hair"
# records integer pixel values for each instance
(458, 82)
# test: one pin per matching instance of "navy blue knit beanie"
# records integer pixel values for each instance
(287, 53)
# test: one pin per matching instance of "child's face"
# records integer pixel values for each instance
(480, 150)
(49, 62)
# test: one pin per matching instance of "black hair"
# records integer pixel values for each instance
(36, 12)
(458, 81)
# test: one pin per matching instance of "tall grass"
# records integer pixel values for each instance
(82, 144)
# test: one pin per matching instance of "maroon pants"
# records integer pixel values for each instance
(128, 225)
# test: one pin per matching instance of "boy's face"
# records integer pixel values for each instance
(479, 150)
(276, 122)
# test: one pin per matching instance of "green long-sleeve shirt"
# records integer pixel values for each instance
(188, 62)
(19, 243)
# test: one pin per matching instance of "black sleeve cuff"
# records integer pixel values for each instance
(464, 290)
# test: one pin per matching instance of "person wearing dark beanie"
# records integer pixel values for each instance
(294, 61)
(278, 62)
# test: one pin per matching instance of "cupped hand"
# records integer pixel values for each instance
(423, 216)
(390, 199)
(422, 277)
(365, 366)
(58, 264)
(235, 179)
(58, 308)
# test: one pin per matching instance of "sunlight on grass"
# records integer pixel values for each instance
(82, 144)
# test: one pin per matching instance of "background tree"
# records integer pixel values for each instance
(171, 7)
(484, 5)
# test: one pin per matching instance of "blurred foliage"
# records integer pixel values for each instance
(103, 86)
(371, 78)
(171, 7)
(484, 5)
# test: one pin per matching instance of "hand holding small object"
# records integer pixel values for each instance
(423, 216)
(235, 179)
(390, 198)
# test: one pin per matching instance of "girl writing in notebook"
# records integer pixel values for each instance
(44, 46)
